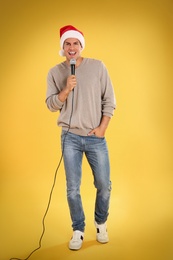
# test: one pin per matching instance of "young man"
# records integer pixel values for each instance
(86, 103)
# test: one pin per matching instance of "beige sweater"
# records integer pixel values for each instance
(92, 98)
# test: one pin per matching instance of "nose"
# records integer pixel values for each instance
(71, 47)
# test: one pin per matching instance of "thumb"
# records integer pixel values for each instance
(91, 132)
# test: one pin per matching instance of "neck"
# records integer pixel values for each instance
(78, 61)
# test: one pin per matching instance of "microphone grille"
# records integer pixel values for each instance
(72, 62)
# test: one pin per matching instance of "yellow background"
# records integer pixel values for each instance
(134, 39)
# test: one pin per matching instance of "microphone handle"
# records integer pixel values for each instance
(72, 69)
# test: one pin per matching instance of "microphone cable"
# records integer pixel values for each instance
(51, 191)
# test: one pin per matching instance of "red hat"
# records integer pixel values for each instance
(70, 31)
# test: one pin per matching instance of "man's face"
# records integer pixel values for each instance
(72, 48)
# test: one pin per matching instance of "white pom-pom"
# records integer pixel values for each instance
(61, 53)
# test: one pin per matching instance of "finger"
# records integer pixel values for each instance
(91, 132)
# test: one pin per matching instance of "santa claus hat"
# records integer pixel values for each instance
(70, 31)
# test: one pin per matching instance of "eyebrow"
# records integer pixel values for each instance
(72, 42)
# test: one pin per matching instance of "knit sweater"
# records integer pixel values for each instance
(92, 98)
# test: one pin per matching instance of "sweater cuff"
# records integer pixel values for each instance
(108, 114)
(57, 102)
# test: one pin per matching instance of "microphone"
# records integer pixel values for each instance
(72, 63)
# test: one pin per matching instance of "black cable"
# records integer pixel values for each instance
(51, 192)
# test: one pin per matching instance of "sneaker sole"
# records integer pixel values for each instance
(75, 248)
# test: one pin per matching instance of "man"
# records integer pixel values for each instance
(86, 103)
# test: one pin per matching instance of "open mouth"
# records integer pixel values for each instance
(72, 53)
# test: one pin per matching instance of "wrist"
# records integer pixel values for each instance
(66, 91)
(63, 94)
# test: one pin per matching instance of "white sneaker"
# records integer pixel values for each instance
(102, 234)
(76, 240)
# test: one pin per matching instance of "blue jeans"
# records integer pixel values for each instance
(95, 149)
